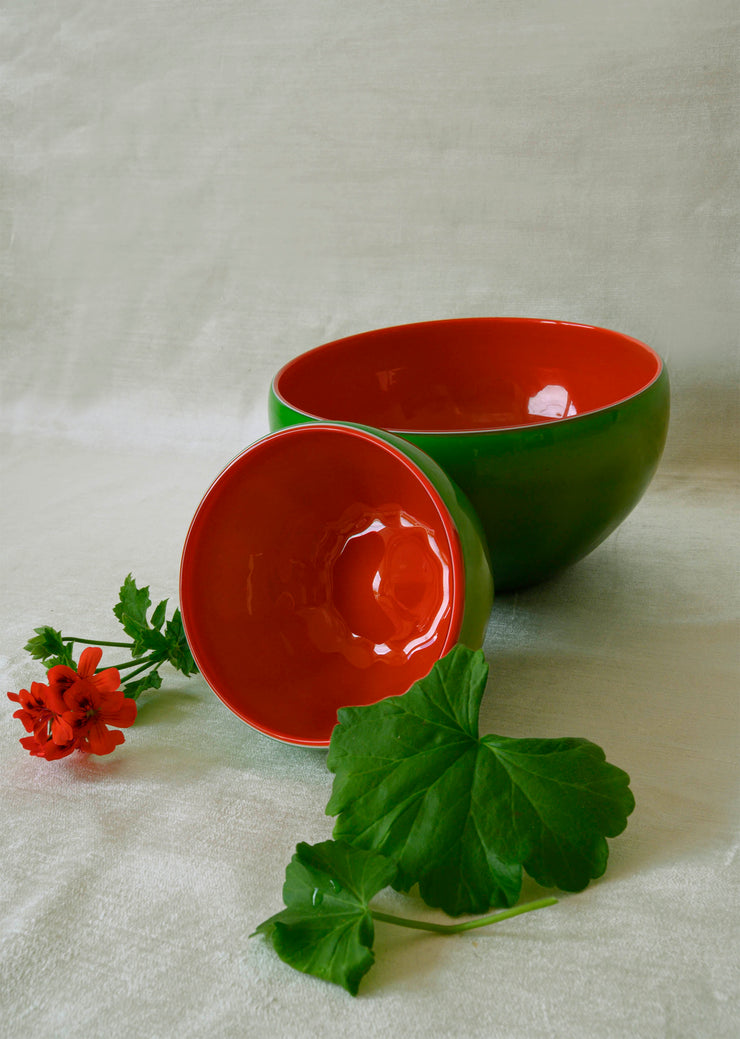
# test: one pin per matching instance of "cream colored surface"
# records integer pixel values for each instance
(195, 192)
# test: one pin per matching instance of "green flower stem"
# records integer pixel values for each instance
(466, 925)
(140, 662)
(133, 674)
(97, 642)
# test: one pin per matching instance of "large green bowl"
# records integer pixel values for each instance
(552, 429)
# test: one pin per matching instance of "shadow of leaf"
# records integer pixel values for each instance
(170, 705)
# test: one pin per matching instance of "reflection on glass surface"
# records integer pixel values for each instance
(551, 402)
(389, 590)
(378, 588)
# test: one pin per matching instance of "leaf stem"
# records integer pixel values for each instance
(133, 674)
(153, 658)
(96, 642)
(466, 925)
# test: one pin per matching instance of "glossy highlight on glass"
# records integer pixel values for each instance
(552, 429)
(385, 583)
(327, 566)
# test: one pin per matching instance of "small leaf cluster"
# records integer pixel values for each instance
(421, 798)
(155, 640)
(158, 639)
(49, 647)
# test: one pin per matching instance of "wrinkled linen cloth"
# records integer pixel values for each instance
(194, 194)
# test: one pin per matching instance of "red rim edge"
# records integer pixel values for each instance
(513, 321)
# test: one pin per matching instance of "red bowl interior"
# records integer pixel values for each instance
(321, 569)
(467, 374)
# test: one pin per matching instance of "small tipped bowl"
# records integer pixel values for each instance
(329, 566)
(552, 429)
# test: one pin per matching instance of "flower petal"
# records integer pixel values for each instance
(108, 699)
(61, 677)
(101, 740)
(55, 700)
(27, 720)
(32, 745)
(45, 748)
(123, 717)
(89, 660)
(61, 731)
(107, 681)
(52, 752)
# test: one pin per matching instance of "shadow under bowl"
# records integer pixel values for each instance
(552, 429)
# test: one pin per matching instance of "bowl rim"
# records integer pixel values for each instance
(543, 421)
(454, 541)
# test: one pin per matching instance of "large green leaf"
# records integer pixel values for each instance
(462, 815)
(326, 928)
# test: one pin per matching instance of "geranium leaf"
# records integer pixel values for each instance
(462, 815)
(157, 619)
(176, 646)
(556, 802)
(326, 928)
(133, 690)
(131, 610)
(49, 647)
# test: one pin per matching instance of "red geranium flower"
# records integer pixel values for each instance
(42, 745)
(74, 711)
(93, 702)
(51, 736)
(62, 678)
(33, 712)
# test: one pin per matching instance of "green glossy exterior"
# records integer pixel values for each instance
(547, 494)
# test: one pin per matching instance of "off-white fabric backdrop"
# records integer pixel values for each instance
(192, 194)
